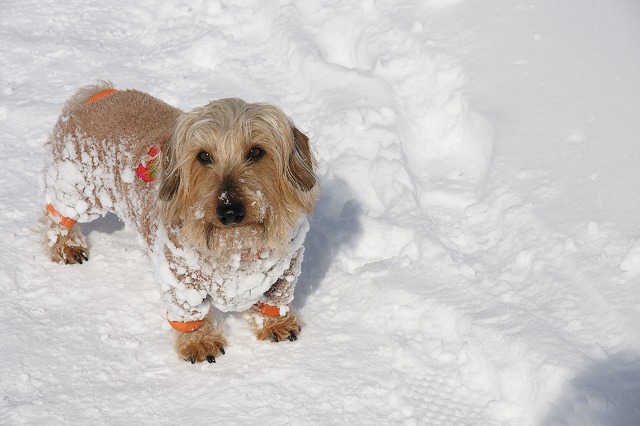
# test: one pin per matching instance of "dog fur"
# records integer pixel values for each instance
(223, 222)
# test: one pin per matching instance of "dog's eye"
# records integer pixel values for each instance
(255, 153)
(204, 157)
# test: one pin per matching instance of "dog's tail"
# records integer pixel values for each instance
(83, 94)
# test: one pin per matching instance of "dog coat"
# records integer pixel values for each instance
(101, 160)
(191, 283)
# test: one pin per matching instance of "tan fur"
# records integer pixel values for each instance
(206, 343)
(276, 329)
(116, 132)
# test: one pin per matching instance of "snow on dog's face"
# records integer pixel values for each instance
(236, 177)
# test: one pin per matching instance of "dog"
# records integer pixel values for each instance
(220, 197)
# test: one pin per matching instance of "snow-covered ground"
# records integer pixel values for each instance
(474, 258)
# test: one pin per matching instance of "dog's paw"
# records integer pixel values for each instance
(206, 343)
(70, 249)
(200, 350)
(72, 255)
(277, 329)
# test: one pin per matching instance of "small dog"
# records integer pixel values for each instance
(219, 196)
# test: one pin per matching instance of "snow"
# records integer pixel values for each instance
(631, 261)
(473, 258)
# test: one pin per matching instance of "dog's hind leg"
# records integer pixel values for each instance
(65, 242)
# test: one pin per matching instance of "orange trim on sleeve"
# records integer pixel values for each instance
(59, 219)
(100, 95)
(186, 326)
(269, 310)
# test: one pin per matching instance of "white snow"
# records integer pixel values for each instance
(474, 255)
(631, 261)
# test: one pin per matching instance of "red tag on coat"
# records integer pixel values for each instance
(148, 169)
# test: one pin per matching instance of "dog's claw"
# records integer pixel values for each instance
(222, 350)
(78, 258)
(84, 255)
(192, 360)
(275, 337)
(211, 359)
(292, 336)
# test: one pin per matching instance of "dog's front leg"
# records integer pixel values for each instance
(205, 343)
(271, 318)
(275, 328)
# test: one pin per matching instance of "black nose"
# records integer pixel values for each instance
(230, 214)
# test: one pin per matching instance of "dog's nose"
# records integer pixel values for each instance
(230, 214)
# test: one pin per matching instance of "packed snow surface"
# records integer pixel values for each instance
(474, 258)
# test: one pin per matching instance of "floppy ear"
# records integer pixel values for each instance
(301, 162)
(170, 177)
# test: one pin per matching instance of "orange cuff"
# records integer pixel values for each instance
(186, 326)
(101, 94)
(271, 310)
(59, 219)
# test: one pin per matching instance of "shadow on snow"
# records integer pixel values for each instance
(336, 223)
(606, 393)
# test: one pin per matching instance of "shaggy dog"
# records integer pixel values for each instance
(219, 196)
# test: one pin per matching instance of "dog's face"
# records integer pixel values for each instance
(236, 177)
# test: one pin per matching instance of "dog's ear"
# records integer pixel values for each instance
(301, 162)
(170, 177)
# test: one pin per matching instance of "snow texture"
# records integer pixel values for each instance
(473, 258)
